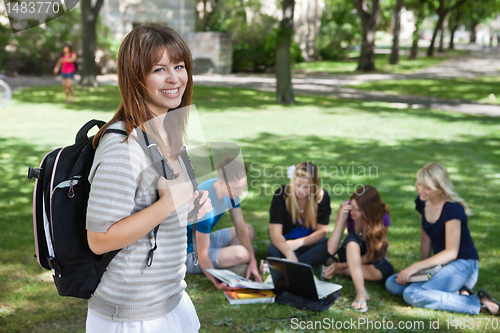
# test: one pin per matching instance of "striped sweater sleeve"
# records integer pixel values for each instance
(114, 182)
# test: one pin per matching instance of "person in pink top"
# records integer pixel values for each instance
(67, 65)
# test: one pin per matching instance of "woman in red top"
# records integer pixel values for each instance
(67, 65)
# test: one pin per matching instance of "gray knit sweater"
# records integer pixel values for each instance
(120, 187)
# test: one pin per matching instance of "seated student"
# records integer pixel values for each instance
(362, 253)
(300, 213)
(229, 246)
(444, 229)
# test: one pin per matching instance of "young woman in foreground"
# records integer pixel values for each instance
(362, 253)
(154, 75)
(445, 232)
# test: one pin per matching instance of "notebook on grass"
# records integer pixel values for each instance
(249, 296)
(298, 278)
(425, 274)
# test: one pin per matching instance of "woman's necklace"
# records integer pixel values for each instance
(298, 208)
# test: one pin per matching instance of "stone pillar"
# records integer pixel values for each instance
(212, 52)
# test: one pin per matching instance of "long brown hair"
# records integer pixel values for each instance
(372, 209)
(307, 170)
(141, 49)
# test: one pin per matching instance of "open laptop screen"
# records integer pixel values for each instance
(296, 278)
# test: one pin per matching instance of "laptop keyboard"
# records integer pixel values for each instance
(325, 288)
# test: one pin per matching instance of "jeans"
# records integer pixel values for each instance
(314, 254)
(441, 291)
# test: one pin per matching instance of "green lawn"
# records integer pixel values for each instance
(476, 89)
(391, 142)
(381, 64)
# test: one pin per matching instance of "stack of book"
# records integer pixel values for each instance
(248, 292)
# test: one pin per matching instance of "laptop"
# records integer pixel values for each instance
(298, 278)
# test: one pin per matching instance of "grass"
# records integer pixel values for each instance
(484, 89)
(389, 142)
(381, 64)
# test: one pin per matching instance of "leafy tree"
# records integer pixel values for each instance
(36, 50)
(443, 8)
(474, 12)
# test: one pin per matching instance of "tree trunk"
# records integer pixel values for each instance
(89, 21)
(369, 25)
(454, 27)
(473, 32)
(394, 58)
(416, 32)
(441, 38)
(439, 24)
(284, 89)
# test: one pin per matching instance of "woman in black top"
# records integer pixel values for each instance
(300, 213)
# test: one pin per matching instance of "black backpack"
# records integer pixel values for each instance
(60, 200)
(59, 216)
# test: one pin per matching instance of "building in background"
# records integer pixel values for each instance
(212, 51)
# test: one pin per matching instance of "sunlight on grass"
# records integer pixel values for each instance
(483, 89)
(381, 64)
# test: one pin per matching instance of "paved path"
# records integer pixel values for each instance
(479, 62)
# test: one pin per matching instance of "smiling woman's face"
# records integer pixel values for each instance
(166, 85)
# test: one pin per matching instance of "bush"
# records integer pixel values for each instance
(256, 51)
(340, 28)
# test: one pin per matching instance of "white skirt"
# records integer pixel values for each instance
(182, 319)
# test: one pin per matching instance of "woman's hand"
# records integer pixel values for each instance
(343, 212)
(292, 257)
(205, 203)
(294, 244)
(174, 193)
(404, 275)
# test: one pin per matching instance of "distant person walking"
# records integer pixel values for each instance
(67, 65)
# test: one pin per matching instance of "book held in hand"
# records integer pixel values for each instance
(249, 296)
(425, 274)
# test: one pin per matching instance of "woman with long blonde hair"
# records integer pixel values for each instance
(444, 240)
(299, 217)
(362, 254)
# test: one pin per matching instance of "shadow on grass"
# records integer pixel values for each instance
(220, 99)
(28, 302)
